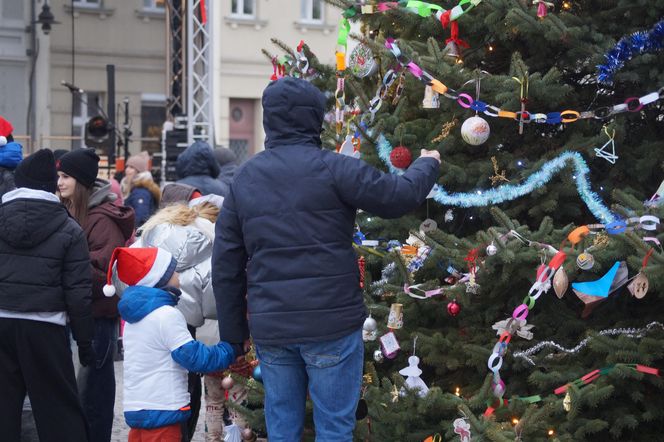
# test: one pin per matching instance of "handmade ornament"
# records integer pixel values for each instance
(427, 226)
(453, 308)
(389, 345)
(509, 192)
(567, 402)
(361, 266)
(585, 261)
(542, 7)
(603, 152)
(449, 216)
(462, 428)
(413, 380)
(369, 329)
(475, 130)
(348, 148)
(362, 62)
(395, 318)
(401, 157)
(560, 282)
(638, 287)
(378, 355)
(431, 98)
(227, 383)
(491, 249)
(592, 292)
(513, 326)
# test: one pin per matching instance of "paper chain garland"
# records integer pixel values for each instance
(632, 104)
(628, 332)
(508, 192)
(423, 9)
(638, 43)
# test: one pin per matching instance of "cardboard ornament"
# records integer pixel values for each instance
(638, 287)
(591, 293)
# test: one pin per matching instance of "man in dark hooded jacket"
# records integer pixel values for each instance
(283, 257)
(198, 167)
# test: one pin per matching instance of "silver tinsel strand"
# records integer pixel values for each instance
(628, 332)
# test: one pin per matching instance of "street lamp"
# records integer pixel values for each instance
(46, 18)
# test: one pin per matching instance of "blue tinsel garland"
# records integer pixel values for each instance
(628, 47)
(508, 192)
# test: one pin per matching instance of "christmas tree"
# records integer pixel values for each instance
(549, 123)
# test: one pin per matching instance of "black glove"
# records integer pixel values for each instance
(86, 354)
(238, 349)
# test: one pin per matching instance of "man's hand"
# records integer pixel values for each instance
(430, 154)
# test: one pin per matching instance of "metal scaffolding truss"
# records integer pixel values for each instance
(190, 66)
(199, 71)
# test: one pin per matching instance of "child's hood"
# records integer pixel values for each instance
(137, 302)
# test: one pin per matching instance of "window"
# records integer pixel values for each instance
(153, 5)
(86, 106)
(87, 3)
(243, 8)
(312, 11)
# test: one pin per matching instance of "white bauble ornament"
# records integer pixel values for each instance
(369, 329)
(378, 355)
(491, 249)
(475, 130)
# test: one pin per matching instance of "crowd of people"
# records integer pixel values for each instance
(264, 249)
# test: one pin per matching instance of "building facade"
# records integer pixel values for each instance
(91, 34)
(242, 28)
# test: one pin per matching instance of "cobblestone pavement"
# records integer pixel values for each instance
(120, 428)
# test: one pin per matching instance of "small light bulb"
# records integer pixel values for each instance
(479, 192)
(551, 432)
(471, 217)
(567, 5)
(490, 48)
(519, 163)
(457, 391)
(574, 176)
(515, 421)
(601, 187)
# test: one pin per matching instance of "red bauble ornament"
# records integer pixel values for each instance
(401, 157)
(453, 308)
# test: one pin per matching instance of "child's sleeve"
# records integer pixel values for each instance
(200, 358)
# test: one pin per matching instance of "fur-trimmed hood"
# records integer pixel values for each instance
(145, 180)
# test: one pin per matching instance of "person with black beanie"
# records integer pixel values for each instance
(106, 227)
(45, 282)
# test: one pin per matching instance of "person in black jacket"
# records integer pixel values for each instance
(45, 281)
(284, 239)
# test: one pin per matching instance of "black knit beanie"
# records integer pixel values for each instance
(37, 172)
(81, 164)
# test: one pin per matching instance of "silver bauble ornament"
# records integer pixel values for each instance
(378, 356)
(248, 434)
(227, 383)
(370, 324)
(475, 131)
(491, 249)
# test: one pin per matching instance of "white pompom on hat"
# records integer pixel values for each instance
(149, 266)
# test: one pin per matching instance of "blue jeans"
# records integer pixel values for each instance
(96, 384)
(332, 373)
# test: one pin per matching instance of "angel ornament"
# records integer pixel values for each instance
(413, 380)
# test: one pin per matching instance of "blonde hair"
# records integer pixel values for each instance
(181, 215)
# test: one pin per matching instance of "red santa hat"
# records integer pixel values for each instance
(150, 267)
(6, 130)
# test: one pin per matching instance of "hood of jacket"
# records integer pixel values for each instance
(293, 111)
(197, 159)
(190, 245)
(101, 203)
(28, 217)
(145, 181)
(138, 301)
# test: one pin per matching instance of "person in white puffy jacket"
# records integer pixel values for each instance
(187, 232)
